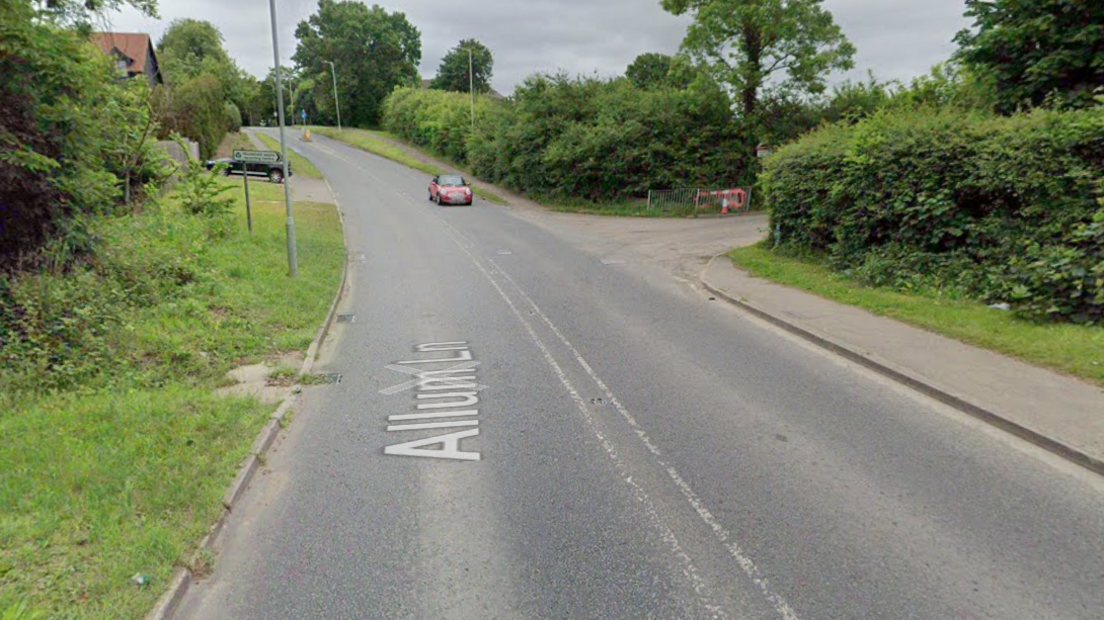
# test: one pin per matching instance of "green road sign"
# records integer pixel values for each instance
(257, 157)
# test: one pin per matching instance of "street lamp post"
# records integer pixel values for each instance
(293, 260)
(333, 72)
(471, 87)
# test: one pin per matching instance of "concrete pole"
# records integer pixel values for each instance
(293, 260)
(337, 106)
(471, 87)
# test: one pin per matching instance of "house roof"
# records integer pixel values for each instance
(133, 45)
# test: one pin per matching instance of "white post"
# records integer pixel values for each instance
(293, 260)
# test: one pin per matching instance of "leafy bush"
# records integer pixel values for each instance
(579, 138)
(233, 118)
(195, 109)
(997, 208)
(60, 137)
(200, 191)
(60, 327)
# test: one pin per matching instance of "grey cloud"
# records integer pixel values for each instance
(897, 39)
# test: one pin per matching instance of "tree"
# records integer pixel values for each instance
(649, 70)
(191, 48)
(452, 75)
(373, 51)
(1035, 49)
(653, 70)
(81, 12)
(784, 46)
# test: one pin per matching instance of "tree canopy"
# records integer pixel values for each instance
(373, 52)
(787, 47)
(452, 75)
(1035, 49)
(81, 12)
(654, 70)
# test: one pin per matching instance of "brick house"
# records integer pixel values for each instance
(133, 54)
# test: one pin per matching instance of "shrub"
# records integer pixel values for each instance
(578, 138)
(999, 208)
(233, 118)
(195, 109)
(60, 138)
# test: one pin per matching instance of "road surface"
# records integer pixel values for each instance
(612, 444)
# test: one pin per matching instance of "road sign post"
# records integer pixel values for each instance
(253, 157)
(248, 210)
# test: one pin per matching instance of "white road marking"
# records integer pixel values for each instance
(428, 384)
(462, 356)
(723, 535)
(450, 447)
(467, 400)
(638, 491)
(429, 416)
(436, 379)
(418, 427)
(746, 564)
(441, 346)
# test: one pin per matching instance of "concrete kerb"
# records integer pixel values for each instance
(182, 577)
(993, 418)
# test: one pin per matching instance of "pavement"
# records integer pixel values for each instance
(1062, 414)
(614, 444)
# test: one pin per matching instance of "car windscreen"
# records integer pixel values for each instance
(451, 180)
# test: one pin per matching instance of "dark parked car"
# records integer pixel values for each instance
(274, 172)
(450, 189)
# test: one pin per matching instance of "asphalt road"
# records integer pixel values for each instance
(643, 452)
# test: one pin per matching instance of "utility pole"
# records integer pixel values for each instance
(471, 87)
(333, 72)
(293, 260)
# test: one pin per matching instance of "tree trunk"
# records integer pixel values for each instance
(750, 100)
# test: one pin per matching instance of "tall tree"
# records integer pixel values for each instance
(453, 73)
(373, 51)
(654, 70)
(785, 46)
(191, 47)
(81, 12)
(1034, 49)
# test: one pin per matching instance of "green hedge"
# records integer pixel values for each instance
(578, 138)
(1003, 209)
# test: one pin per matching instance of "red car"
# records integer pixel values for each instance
(450, 189)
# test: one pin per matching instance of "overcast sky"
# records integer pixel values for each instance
(897, 39)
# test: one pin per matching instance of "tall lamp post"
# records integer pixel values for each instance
(471, 87)
(333, 72)
(293, 260)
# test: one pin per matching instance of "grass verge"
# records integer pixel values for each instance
(1073, 349)
(116, 449)
(369, 140)
(299, 165)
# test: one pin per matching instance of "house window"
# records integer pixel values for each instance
(121, 66)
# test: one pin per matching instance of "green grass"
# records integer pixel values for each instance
(299, 165)
(1073, 349)
(366, 139)
(362, 139)
(232, 141)
(123, 472)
